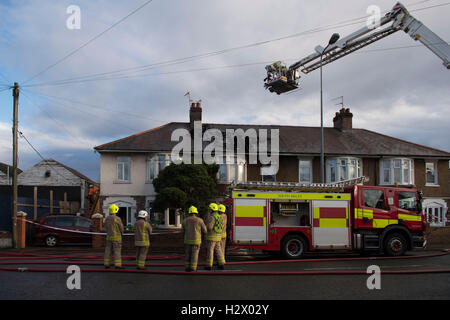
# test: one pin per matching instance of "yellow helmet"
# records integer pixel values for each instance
(213, 206)
(222, 208)
(113, 209)
(193, 209)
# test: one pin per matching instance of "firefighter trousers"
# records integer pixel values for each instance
(224, 244)
(214, 248)
(114, 247)
(191, 256)
(141, 256)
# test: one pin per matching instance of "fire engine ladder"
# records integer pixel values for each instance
(294, 186)
(339, 53)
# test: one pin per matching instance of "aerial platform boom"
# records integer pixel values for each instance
(281, 79)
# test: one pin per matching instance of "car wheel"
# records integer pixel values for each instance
(395, 245)
(51, 241)
(293, 247)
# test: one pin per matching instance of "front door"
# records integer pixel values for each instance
(435, 215)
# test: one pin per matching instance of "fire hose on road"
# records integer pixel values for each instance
(20, 262)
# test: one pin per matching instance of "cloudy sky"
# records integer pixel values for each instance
(395, 86)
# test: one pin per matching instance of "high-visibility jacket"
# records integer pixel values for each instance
(114, 228)
(142, 232)
(224, 218)
(193, 226)
(214, 224)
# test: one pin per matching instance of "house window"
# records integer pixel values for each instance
(231, 170)
(305, 171)
(156, 164)
(431, 173)
(123, 168)
(343, 168)
(398, 170)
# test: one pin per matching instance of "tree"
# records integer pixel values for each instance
(180, 186)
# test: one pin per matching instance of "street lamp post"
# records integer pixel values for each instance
(333, 39)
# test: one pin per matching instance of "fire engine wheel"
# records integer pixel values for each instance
(293, 247)
(395, 245)
(51, 241)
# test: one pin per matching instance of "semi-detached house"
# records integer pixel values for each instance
(129, 165)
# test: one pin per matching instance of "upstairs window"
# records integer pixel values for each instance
(305, 171)
(156, 164)
(231, 170)
(343, 168)
(267, 174)
(123, 168)
(396, 170)
(431, 173)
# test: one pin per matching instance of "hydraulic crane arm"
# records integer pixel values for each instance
(281, 79)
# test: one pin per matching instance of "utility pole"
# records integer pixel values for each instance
(15, 142)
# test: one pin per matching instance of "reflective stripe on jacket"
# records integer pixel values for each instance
(142, 232)
(193, 227)
(210, 222)
(114, 228)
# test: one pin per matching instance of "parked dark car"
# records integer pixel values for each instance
(52, 237)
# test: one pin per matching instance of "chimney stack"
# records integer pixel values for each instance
(195, 113)
(343, 119)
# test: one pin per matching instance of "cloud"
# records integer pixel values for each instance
(401, 92)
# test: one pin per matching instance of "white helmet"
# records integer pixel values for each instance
(142, 214)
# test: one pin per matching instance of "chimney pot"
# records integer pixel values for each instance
(195, 113)
(343, 119)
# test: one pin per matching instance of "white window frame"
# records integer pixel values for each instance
(435, 183)
(309, 166)
(402, 165)
(154, 160)
(343, 164)
(121, 161)
(236, 170)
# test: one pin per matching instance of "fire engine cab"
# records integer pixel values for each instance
(292, 218)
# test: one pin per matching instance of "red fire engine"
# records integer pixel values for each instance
(292, 218)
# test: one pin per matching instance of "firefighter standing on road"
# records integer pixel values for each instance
(114, 231)
(214, 225)
(222, 211)
(193, 226)
(142, 232)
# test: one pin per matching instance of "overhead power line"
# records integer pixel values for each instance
(46, 162)
(88, 42)
(124, 73)
(241, 65)
(93, 116)
(55, 98)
